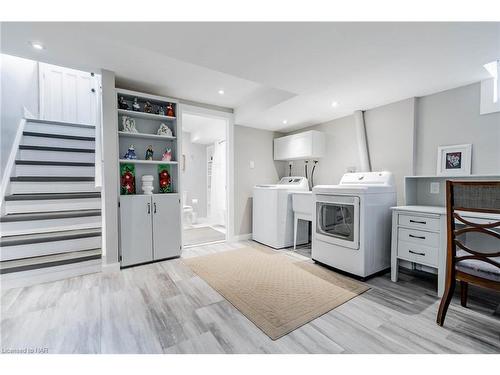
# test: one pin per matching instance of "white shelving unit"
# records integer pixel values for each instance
(150, 228)
(137, 161)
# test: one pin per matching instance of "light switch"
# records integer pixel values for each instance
(252, 164)
(434, 187)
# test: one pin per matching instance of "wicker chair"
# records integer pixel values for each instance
(467, 265)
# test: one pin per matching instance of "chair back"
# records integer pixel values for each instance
(470, 198)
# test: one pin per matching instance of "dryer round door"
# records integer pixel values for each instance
(337, 220)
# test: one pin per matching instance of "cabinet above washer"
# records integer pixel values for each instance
(301, 146)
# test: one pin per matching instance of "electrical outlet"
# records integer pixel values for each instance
(434, 187)
(252, 164)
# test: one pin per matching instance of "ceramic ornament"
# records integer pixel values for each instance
(167, 155)
(128, 124)
(148, 107)
(130, 154)
(164, 130)
(149, 153)
(147, 184)
(170, 110)
(122, 104)
(135, 106)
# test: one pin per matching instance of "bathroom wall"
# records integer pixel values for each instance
(19, 89)
(194, 176)
(252, 145)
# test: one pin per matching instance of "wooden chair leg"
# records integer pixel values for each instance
(445, 301)
(464, 287)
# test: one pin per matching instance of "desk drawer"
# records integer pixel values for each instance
(418, 237)
(419, 222)
(418, 253)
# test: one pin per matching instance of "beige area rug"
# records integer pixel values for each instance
(277, 293)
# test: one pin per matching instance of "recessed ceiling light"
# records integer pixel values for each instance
(335, 104)
(285, 122)
(221, 92)
(37, 45)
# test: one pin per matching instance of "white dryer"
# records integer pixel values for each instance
(352, 223)
(272, 222)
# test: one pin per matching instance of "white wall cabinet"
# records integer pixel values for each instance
(301, 146)
(149, 228)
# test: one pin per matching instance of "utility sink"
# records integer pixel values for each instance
(302, 202)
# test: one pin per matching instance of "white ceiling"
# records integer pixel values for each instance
(271, 72)
(203, 130)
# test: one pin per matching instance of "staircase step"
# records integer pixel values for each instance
(51, 179)
(48, 215)
(29, 197)
(61, 123)
(29, 239)
(54, 242)
(46, 222)
(54, 163)
(56, 149)
(58, 136)
(53, 260)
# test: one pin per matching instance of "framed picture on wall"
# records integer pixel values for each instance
(454, 160)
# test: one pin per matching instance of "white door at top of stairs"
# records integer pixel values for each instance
(68, 95)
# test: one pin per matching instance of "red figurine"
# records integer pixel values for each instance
(170, 110)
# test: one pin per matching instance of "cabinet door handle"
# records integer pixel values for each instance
(149, 208)
(154, 207)
(419, 237)
(417, 221)
(417, 253)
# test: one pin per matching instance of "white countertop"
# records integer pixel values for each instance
(439, 210)
(302, 192)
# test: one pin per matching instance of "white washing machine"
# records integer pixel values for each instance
(352, 223)
(272, 222)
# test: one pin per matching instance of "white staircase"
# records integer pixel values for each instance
(51, 222)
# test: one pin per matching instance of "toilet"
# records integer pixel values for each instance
(187, 211)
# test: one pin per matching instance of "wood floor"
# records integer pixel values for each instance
(165, 308)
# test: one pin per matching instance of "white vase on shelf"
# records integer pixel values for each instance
(147, 184)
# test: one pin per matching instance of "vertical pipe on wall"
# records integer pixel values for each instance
(364, 159)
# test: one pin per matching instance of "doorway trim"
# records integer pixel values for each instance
(229, 118)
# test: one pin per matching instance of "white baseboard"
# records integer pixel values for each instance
(241, 237)
(111, 267)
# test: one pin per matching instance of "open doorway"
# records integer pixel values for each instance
(204, 179)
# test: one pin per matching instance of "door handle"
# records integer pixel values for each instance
(419, 237)
(154, 207)
(417, 253)
(417, 221)
(149, 208)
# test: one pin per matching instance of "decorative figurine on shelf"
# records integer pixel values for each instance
(148, 107)
(164, 130)
(122, 104)
(161, 110)
(149, 153)
(127, 179)
(130, 154)
(170, 110)
(147, 184)
(165, 180)
(135, 106)
(167, 155)
(128, 124)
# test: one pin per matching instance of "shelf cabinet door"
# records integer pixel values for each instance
(166, 226)
(136, 230)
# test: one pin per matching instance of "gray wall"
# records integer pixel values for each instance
(19, 88)
(452, 117)
(194, 177)
(252, 145)
(390, 132)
